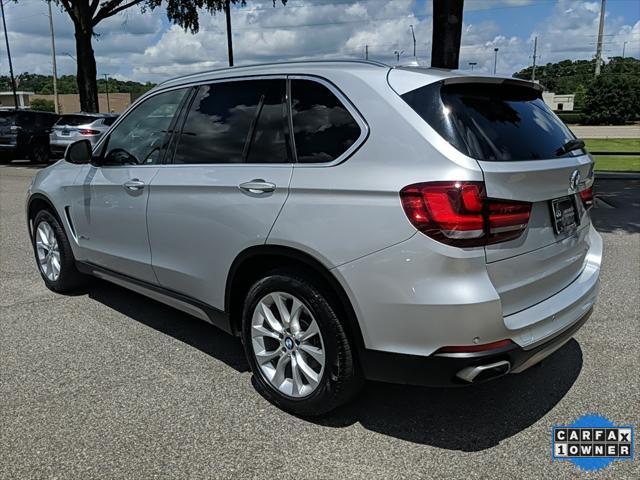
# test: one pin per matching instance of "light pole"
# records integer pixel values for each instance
(495, 60)
(413, 33)
(624, 46)
(397, 53)
(53, 61)
(472, 64)
(106, 79)
(6, 38)
(227, 14)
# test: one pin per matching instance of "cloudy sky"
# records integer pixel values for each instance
(145, 47)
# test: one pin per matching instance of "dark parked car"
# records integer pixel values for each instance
(25, 133)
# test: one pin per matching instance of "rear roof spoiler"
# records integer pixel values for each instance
(494, 80)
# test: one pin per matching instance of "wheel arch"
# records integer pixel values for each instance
(253, 262)
(37, 202)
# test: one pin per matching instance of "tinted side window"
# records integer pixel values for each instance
(140, 137)
(223, 119)
(323, 128)
(270, 136)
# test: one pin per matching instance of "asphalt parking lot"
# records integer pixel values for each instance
(110, 384)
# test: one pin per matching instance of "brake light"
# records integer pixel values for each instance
(476, 348)
(88, 131)
(587, 197)
(460, 214)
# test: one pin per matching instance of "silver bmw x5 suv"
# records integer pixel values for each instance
(346, 220)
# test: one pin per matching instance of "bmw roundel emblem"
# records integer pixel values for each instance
(288, 343)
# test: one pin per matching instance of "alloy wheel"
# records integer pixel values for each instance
(48, 251)
(287, 344)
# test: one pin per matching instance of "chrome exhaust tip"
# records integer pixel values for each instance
(484, 372)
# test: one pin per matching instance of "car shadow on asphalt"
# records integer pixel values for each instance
(181, 326)
(469, 418)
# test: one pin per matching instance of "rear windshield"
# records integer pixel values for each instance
(108, 121)
(493, 122)
(75, 120)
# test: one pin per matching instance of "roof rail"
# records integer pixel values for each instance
(267, 64)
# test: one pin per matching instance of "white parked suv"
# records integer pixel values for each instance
(347, 220)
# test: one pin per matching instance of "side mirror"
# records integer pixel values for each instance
(79, 152)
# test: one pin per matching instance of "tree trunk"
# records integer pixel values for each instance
(87, 83)
(447, 30)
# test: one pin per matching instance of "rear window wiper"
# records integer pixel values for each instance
(574, 144)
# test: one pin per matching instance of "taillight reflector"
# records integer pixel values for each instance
(460, 214)
(587, 197)
(476, 348)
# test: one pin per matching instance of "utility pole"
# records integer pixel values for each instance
(413, 33)
(53, 61)
(6, 38)
(227, 13)
(624, 46)
(366, 52)
(600, 35)
(535, 56)
(495, 60)
(106, 78)
(472, 64)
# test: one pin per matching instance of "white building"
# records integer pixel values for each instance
(559, 102)
(6, 99)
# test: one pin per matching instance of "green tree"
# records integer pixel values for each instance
(86, 15)
(567, 76)
(580, 94)
(42, 105)
(612, 99)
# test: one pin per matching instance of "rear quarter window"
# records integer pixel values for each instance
(492, 122)
(323, 128)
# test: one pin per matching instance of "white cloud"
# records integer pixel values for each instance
(144, 47)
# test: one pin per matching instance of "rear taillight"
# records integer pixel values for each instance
(88, 131)
(460, 214)
(587, 197)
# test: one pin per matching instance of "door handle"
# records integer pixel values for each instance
(257, 186)
(134, 184)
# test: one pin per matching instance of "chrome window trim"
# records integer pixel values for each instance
(353, 111)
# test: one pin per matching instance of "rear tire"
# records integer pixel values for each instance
(54, 256)
(39, 154)
(317, 348)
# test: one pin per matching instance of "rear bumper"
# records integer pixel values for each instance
(444, 370)
(411, 301)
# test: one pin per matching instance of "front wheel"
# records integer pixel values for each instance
(53, 254)
(297, 348)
